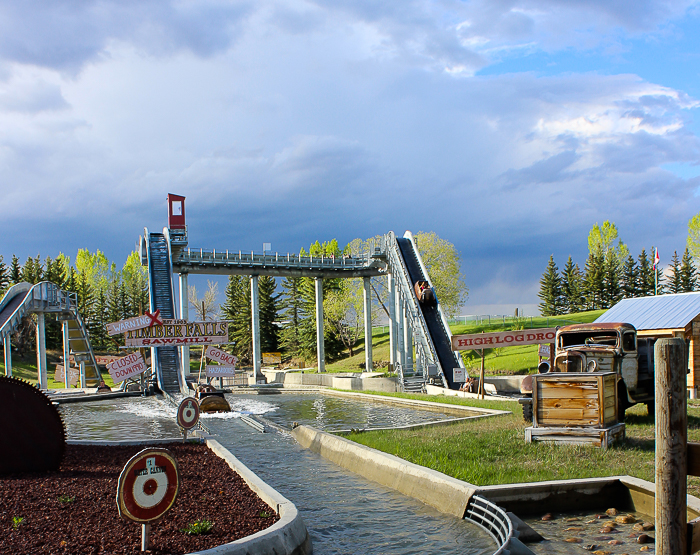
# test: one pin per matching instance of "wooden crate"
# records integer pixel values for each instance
(597, 437)
(571, 400)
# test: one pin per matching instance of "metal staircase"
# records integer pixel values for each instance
(47, 297)
(166, 360)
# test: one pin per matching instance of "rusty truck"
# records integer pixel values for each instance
(603, 347)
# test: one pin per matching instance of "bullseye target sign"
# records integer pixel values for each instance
(188, 413)
(148, 486)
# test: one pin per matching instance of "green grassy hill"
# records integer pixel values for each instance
(501, 361)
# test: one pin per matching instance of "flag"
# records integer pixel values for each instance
(656, 258)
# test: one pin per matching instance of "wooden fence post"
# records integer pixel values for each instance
(671, 447)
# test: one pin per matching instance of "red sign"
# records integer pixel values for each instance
(188, 413)
(222, 357)
(126, 367)
(136, 323)
(148, 486)
(503, 339)
(178, 333)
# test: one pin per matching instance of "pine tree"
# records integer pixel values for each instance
(675, 285)
(292, 308)
(550, 290)
(4, 276)
(630, 279)
(32, 271)
(237, 310)
(594, 281)
(15, 271)
(689, 274)
(646, 275)
(269, 332)
(571, 286)
(612, 293)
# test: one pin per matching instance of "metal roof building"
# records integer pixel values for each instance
(676, 315)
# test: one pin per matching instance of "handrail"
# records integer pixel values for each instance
(493, 519)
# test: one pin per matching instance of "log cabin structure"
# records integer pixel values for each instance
(674, 315)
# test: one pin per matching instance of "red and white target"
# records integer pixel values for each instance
(148, 485)
(188, 413)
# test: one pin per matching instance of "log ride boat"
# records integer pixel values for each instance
(424, 292)
(211, 399)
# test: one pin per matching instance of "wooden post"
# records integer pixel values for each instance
(671, 446)
(481, 375)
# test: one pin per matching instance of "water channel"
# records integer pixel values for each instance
(344, 513)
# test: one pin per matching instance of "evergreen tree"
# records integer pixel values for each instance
(571, 287)
(612, 293)
(32, 271)
(4, 276)
(630, 279)
(646, 275)
(15, 271)
(292, 307)
(550, 290)
(675, 285)
(269, 332)
(237, 310)
(594, 281)
(689, 274)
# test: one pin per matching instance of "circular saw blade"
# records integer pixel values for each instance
(34, 437)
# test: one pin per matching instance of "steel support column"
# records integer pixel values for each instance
(255, 311)
(7, 344)
(41, 350)
(184, 315)
(367, 304)
(406, 354)
(391, 286)
(66, 355)
(320, 346)
(401, 352)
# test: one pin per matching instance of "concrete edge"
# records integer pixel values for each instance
(444, 407)
(418, 426)
(288, 536)
(433, 488)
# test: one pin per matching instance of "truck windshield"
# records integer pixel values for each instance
(588, 339)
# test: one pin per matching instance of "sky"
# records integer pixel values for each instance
(508, 127)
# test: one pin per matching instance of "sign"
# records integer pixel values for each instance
(459, 375)
(544, 350)
(503, 339)
(272, 358)
(220, 371)
(126, 367)
(188, 413)
(178, 333)
(136, 323)
(73, 374)
(148, 486)
(222, 357)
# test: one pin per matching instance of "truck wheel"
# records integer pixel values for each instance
(527, 411)
(622, 402)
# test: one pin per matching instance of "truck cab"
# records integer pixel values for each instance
(606, 347)
(610, 347)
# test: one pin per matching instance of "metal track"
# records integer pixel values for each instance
(166, 360)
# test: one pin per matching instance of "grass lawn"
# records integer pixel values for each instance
(493, 450)
(502, 361)
(25, 368)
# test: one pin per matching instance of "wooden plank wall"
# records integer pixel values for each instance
(575, 400)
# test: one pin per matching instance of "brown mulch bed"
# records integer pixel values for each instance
(74, 510)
